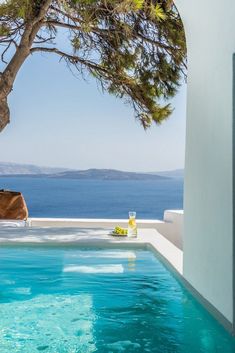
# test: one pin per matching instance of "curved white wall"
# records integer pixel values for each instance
(208, 232)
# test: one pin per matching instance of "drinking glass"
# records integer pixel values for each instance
(132, 228)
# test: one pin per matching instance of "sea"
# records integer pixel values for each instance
(47, 197)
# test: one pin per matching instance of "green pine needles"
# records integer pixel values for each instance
(135, 48)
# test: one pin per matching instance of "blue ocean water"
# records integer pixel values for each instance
(97, 198)
(68, 300)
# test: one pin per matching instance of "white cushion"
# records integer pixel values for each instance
(12, 223)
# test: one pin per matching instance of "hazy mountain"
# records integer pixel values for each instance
(178, 173)
(15, 168)
(105, 174)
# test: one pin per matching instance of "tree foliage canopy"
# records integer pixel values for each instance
(135, 48)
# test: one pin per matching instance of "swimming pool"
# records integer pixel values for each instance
(73, 300)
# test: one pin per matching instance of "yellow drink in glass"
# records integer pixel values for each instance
(132, 228)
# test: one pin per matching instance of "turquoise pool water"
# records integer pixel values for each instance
(68, 300)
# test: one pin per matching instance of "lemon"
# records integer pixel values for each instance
(120, 231)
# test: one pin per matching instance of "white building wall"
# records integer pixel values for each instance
(208, 232)
(173, 227)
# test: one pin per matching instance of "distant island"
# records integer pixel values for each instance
(92, 174)
(105, 174)
(23, 170)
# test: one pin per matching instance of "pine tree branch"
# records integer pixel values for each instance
(73, 59)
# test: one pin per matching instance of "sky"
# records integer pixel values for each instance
(59, 120)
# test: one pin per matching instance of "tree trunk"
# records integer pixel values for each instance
(4, 113)
(7, 77)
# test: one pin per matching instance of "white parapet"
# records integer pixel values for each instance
(172, 227)
(91, 223)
